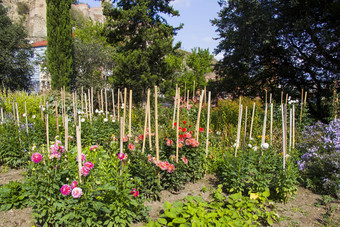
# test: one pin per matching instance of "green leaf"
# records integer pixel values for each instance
(166, 205)
(179, 220)
(6, 207)
(266, 194)
(270, 220)
(170, 214)
(162, 221)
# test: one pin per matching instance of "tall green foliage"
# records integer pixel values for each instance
(59, 43)
(278, 45)
(15, 69)
(143, 40)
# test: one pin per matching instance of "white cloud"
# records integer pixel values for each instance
(179, 3)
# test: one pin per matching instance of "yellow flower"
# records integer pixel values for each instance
(254, 196)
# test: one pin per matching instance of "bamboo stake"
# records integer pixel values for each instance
(270, 98)
(187, 98)
(13, 106)
(78, 134)
(177, 125)
(266, 95)
(82, 99)
(252, 121)
(75, 106)
(146, 120)
(185, 90)
(271, 123)
(18, 121)
(281, 97)
(98, 99)
(199, 116)
(264, 125)
(121, 141)
(208, 125)
(293, 126)
(245, 127)
(106, 112)
(284, 151)
(41, 112)
(26, 119)
(130, 111)
(238, 128)
(86, 110)
(56, 116)
(290, 128)
(113, 104)
(91, 102)
(149, 120)
(101, 99)
(156, 124)
(124, 113)
(193, 91)
(66, 133)
(118, 106)
(62, 108)
(174, 114)
(47, 135)
(301, 106)
(2, 115)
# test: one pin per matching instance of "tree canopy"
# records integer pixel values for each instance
(143, 40)
(59, 43)
(15, 53)
(279, 44)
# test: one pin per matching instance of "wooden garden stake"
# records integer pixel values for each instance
(199, 116)
(149, 120)
(47, 135)
(56, 116)
(208, 125)
(82, 99)
(301, 106)
(264, 125)
(252, 122)
(2, 115)
(26, 119)
(290, 128)
(281, 97)
(91, 102)
(64, 106)
(106, 113)
(86, 110)
(185, 89)
(245, 127)
(284, 134)
(118, 106)
(66, 132)
(287, 99)
(293, 145)
(156, 125)
(193, 91)
(113, 104)
(266, 95)
(124, 112)
(78, 134)
(62, 109)
(17, 113)
(187, 98)
(205, 94)
(305, 102)
(90, 105)
(13, 106)
(178, 97)
(175, 104)
(130, 112)
(270, 98)
(41, 112)
(271, 123)
(146, 120)
(102, 99)
(76, 106)
(98, 100)
(238, 128)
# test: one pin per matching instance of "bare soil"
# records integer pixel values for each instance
(305, 210)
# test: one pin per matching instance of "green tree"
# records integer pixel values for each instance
(15, 53)
(142, 39)
(200, 62)
(277, 44)
(59, 43)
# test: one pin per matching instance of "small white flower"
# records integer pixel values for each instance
(105, 119)
(24, 115)
(265, 146)
(82, 120)
(218, 133)
(33, 116)
(113, 120)
(255, 148)
(34, 147)
(96, 111)
(122, 106)
(252, 138)
(43, 109)
(249, 145)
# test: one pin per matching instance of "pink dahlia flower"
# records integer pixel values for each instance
(36, 157)
(131, 147)
(74, 184)
(185, 160)
(134, 192)
(169, 142)
(94, 147)
(77, 192)
(84, 171)
(121, 156)
(171, 168)
(65, 189)
(89, 165)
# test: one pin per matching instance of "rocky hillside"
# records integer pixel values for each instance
(32, 14)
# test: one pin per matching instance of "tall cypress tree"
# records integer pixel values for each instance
(59, 43)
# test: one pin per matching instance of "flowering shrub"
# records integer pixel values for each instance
(320, 159)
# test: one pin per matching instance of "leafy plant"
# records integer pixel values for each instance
(13, 195)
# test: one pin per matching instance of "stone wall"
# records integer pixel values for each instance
(35, 19)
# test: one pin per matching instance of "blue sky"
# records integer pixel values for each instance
(196, 16)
